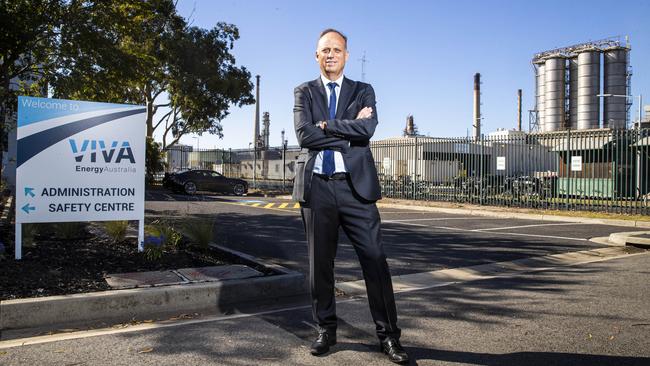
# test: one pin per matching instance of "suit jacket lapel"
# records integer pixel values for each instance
(347, 90)
(318, 90)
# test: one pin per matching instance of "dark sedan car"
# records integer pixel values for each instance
(191, 181)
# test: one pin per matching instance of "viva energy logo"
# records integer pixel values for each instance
(93, 150)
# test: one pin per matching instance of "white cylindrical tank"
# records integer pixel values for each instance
(615, 80)
(554, 94)
(588, 89)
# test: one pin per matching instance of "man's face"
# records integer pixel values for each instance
(331, 55)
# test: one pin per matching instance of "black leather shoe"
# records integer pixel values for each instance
(394, 350)
(323, 342)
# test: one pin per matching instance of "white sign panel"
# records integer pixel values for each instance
(79, 161)
(501, 163)
(576, 163)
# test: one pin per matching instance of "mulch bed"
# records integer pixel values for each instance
(58, 267)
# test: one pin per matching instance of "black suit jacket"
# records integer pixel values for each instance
(345, 134)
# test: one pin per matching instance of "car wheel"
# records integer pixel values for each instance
(189, 187)
(238, 189)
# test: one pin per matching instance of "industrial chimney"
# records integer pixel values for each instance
(256, 132)
(476, 121)
(518, 109)
(266, 122)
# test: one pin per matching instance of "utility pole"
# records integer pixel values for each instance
(519, 110)
(363, 66)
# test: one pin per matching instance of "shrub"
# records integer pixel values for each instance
(116, 230)
(171, 237)
(153, 247)
(200, 232)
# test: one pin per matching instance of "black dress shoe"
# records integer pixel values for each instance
(323, 342)
(394, 350)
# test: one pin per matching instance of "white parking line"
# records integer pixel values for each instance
(432, 219)
(524, 226)
(491, 232)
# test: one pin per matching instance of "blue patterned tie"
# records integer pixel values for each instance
(328, 155)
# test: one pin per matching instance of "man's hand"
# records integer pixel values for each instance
(322, 125)
(366, 112)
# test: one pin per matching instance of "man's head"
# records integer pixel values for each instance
(332, 53)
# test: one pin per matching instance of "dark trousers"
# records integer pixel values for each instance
(334, 204)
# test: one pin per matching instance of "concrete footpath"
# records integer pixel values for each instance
(591, 312)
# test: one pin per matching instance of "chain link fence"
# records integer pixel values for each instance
(592, 170)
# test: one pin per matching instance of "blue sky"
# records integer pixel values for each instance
(422, 55)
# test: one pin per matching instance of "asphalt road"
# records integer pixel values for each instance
(414, 241)
(590, 314)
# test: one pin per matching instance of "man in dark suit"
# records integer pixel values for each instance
(337, 185)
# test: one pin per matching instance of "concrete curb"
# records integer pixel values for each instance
(518, 215)
(630, 238)
(144, 303)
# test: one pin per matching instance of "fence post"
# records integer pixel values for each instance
(568, 168)
(480, 180)
(284, 165)
(415, 169)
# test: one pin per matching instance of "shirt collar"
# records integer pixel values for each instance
(339, 81)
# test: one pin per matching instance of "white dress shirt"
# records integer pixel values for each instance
(339, 164)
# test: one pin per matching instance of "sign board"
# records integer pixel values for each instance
(501, 163)
(387, 163)
(576, 163)
(79, 161)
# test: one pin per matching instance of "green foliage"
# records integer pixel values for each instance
(116, 230)
(200, 232)
(152, 252)
(155, 162)
(134, 51)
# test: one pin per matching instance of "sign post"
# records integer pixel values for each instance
(79, 161)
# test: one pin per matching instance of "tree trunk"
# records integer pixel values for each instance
(150, 113)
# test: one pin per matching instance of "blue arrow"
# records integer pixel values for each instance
(29, 191)
(28, 208)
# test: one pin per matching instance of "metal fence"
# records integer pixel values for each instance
(272, 168)
(594, 170)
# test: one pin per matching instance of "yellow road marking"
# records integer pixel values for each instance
(288, 209)
(297, 205)
(269, 205)
(283, 205)
(256, 204)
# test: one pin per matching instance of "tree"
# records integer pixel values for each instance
(29, 39)
(203, 82)
(136, 51)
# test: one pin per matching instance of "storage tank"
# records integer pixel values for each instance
(615, 80)
(555, 69)
(573, 93)
(588, 89)
(540, 78)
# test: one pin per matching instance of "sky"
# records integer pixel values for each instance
(421, 56)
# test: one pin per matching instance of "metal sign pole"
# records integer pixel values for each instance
(18, 248)
(141, 235)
